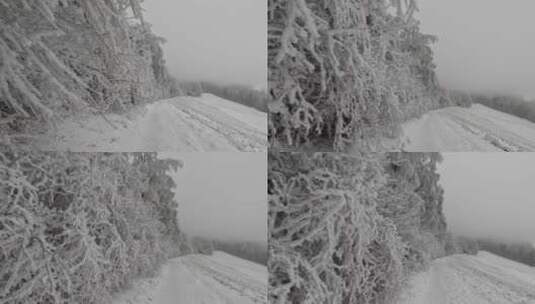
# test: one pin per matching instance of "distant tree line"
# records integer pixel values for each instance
(238, 93)
(241, 94)
(460, 98)
(191, 88)
(461, 245)
(510, 104)
(522, 252)
(514, 105)
(516, 251)
(252, 251)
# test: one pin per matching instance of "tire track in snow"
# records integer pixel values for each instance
(463, 279)
(201, 279)
(232, 278)
(469, 129)
(206, 123)
(238, 135)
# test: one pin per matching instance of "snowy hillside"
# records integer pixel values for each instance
(219, 278)
(206, 123)
(477, 128)
(485, 278)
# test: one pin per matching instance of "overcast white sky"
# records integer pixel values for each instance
(222, 195)
(490, 194)
(215, 40)
(483, 44)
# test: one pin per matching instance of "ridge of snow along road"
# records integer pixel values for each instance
(478, 128)
(465, 279)
(219, 278)
(186, 124)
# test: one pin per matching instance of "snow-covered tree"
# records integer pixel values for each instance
(412, 199)
(60, 57)
(348, 229)
(327, 242)
(345, 73)
(75, 227)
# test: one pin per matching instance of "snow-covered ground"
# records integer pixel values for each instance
(465, 279)
(206, 123)
(477, 128)
(202, 279)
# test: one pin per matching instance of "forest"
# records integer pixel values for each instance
(506, 103)
(77, 227)
(522, 252)
(241, 94)
(64, 57)
(347, 73)
(350, 229)
(248, 250)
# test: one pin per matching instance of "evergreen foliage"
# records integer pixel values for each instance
(510, 104)
(466, 245)
(345, 229)
(74, 227)
(346, 73)
(59, 57)
(413, 199)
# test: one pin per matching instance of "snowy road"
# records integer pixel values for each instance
(200, 279)
(481, 279)
(206, 123)
(478, 128)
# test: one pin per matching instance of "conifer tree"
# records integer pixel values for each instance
(60, 57)
(348, 229)
(75, 227)
(345, 73)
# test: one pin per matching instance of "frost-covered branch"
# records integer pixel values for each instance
(345, 72)
(346, 229)
(62, 57)
(75, 227)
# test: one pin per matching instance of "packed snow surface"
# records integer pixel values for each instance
(481, 279)
(477, 128)
(202, 279)
(206, 123)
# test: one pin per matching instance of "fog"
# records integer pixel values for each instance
(222, 195)
(484, 45)
(490, 194)
(217, 40)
